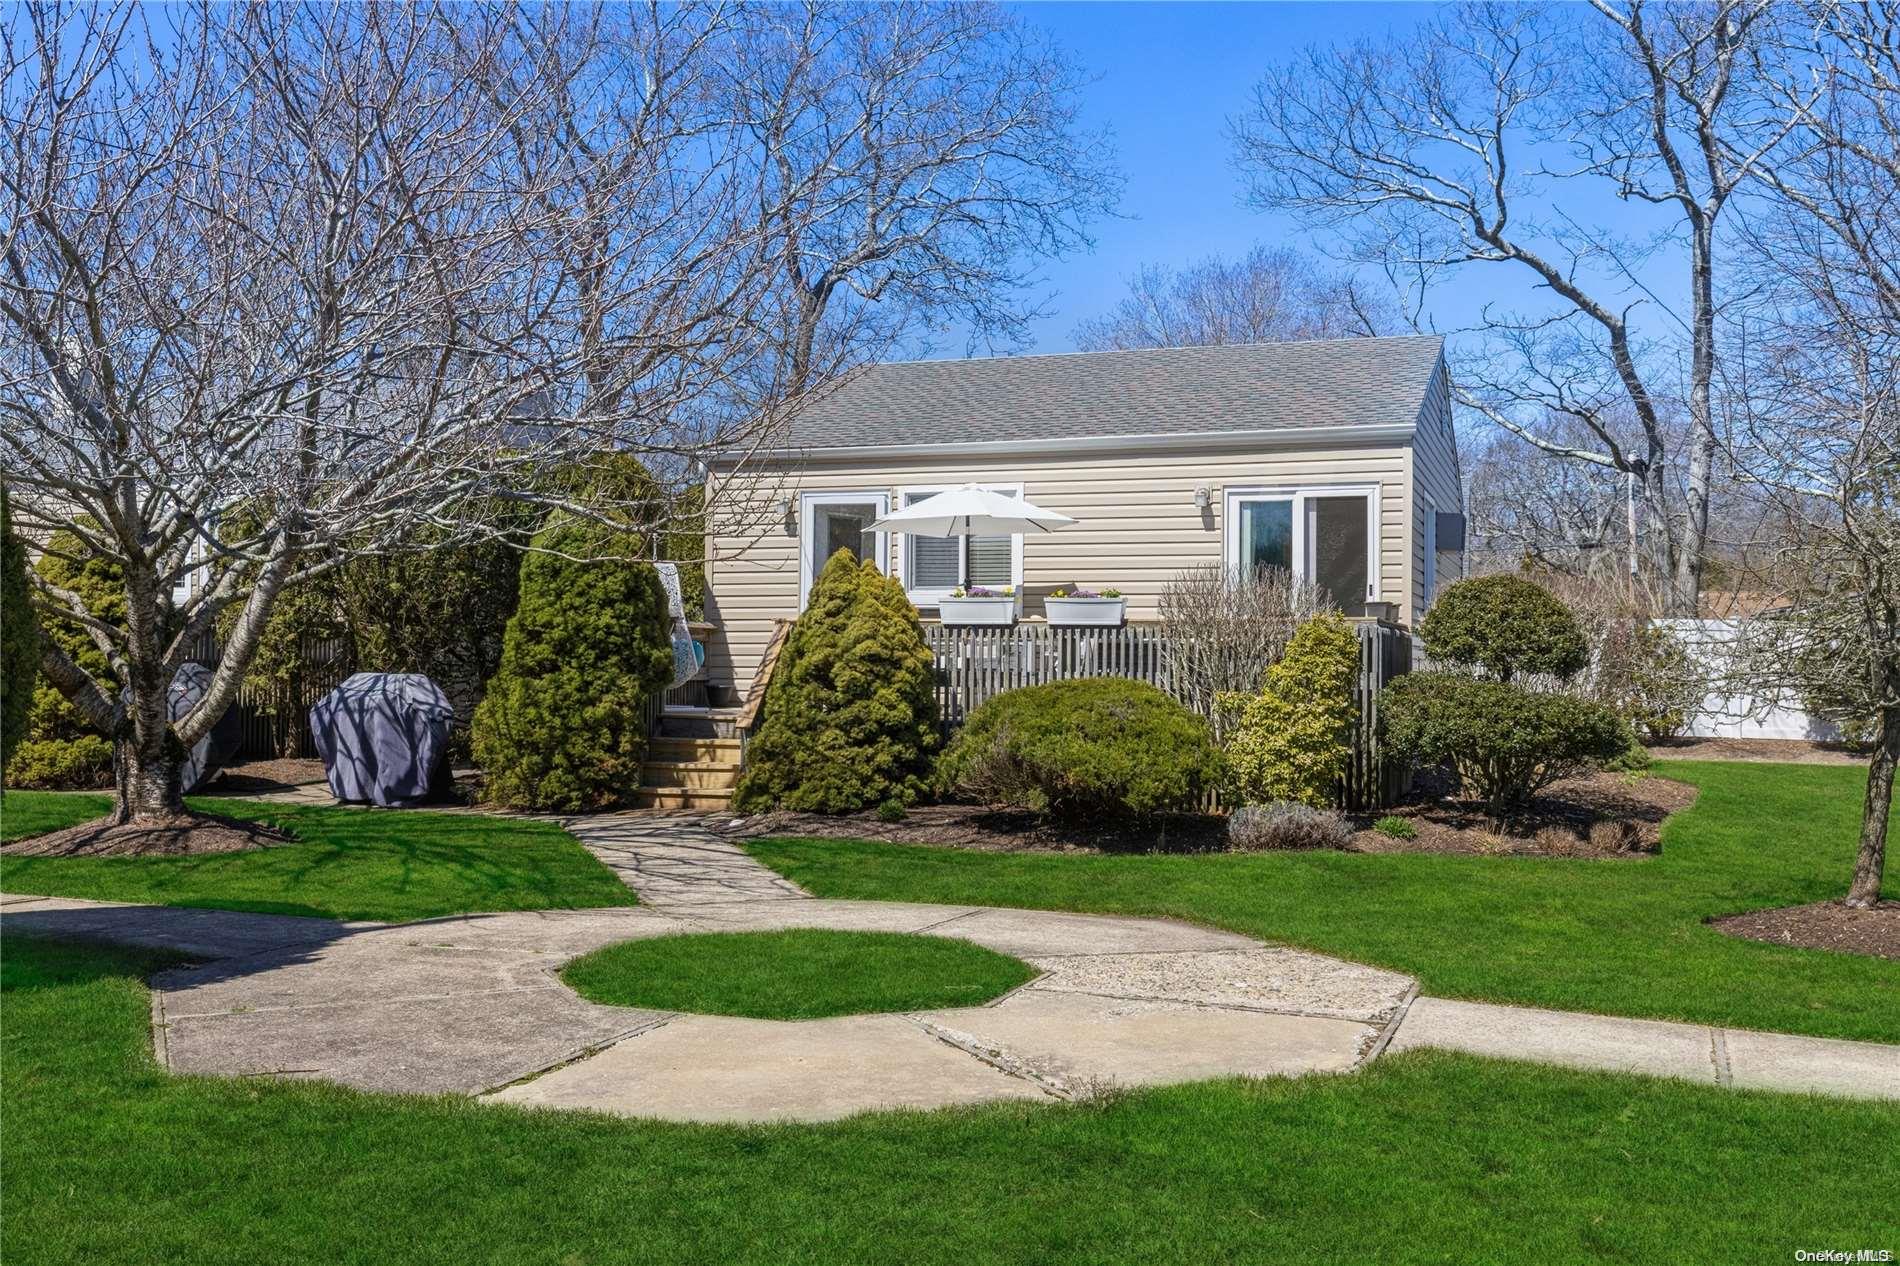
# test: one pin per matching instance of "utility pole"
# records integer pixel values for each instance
(1629, 510)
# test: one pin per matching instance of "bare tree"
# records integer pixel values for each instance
(285, 285)
(913, 162)
(1531, 509)
(1817, 396)
(1220, 633)
(1271, 294)
(1473, 140)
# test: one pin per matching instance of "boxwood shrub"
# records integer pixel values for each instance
(1090, 748)
(1505, 626)
(1505, 742)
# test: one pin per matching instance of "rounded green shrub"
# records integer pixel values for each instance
(1396, 827)
(1505, 625)
(1505, 742)
(80, 763)
(851, 713)
(1294, 739)
(1089, 748)
(563, 724)
(19, 638)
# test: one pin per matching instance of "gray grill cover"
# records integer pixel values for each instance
(210, 753)
(384, 737)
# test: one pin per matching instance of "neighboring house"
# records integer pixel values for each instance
(1333, 458)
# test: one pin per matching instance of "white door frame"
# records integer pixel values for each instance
(1298, 495)
(808, 502)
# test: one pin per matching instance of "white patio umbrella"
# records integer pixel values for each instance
(971, 511)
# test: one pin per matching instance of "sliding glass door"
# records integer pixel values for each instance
(1326, 535)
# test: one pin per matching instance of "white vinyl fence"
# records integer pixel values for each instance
(1728, 711)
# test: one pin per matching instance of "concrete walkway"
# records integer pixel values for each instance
(473, 1005)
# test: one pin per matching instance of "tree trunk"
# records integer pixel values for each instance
(1872, 858)
(148, 777)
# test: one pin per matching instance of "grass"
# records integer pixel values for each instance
(1423, 1158)
(804, 974)
(386, 866)
(1608, 936)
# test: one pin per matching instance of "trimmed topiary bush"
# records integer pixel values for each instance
(1506, 626)
(851, 713)
(1294, 738)
(563, 724)
(19, 638)
(1506, 743)
(1286, 824)
(1084, 749)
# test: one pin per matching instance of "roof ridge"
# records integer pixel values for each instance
(1136, 351)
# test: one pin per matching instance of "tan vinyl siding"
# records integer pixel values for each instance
(1439, 482)
(1137, 525)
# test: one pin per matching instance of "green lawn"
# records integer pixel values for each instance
(1424, 1158)
(388, 866)
(1610, 936)
(803, 974)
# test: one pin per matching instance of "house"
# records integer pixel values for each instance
(1333, 458)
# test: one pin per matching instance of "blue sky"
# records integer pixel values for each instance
(1168, 77)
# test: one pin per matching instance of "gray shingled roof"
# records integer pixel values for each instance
(1173, 390)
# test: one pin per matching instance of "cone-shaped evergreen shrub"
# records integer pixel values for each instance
(1295, 737)
(563, 723)
(19, 637)
(851, 714)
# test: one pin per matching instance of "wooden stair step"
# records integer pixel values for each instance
(681, 798)
(699, 775)
(724, 750)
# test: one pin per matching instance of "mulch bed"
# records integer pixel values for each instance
(1601, 816)
(989, 830)
(187, 836)
(1826, 925)
(254, 776)
(1792, 751)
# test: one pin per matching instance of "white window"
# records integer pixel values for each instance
(1329, 535)
(831, 521)
(934, 565)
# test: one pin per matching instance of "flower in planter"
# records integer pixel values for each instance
(1060, 593)
(978, 591)
(1111, 593)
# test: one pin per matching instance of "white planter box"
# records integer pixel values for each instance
(977, 611)
(1092, 612)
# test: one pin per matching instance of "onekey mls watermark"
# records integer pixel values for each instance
(1843, 1255)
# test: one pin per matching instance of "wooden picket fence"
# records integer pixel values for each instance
(974, 664)
(274, 717)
